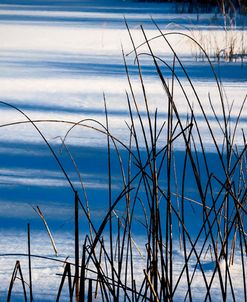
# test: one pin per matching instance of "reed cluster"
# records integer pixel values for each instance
(157, 181)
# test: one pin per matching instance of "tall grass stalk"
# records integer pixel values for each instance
(17, 269)
(29, 263)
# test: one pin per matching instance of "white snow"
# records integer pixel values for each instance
(55, 64)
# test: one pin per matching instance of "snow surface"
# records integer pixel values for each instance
(56, 61)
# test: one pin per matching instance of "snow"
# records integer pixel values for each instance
(56, 61)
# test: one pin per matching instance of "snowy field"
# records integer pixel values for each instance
(57, 58)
